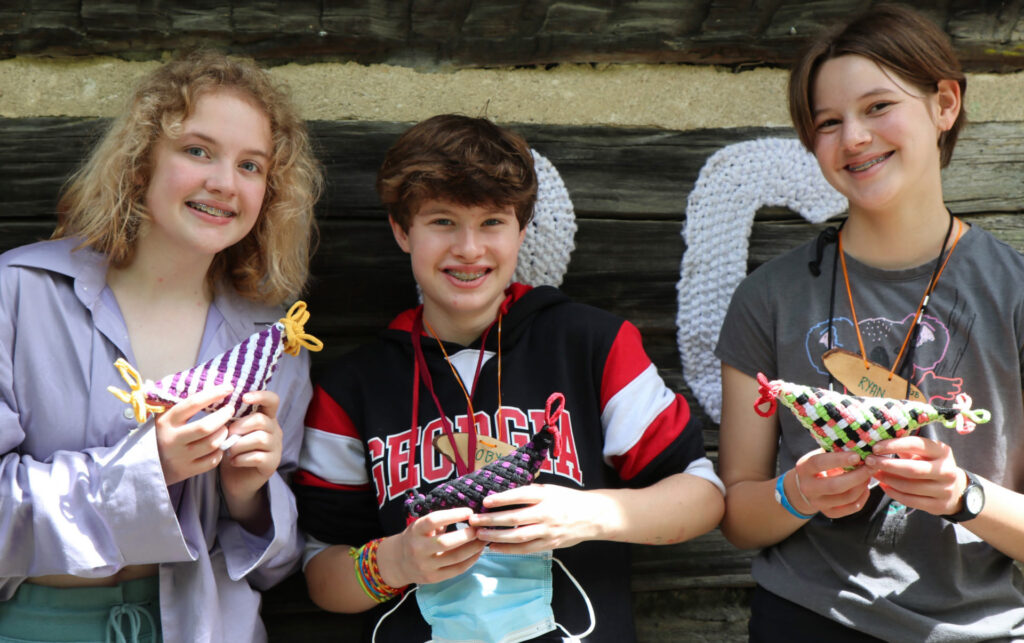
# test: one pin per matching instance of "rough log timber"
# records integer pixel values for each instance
(629, 187)
(988, 35)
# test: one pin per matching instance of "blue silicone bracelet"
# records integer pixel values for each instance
(780, 496)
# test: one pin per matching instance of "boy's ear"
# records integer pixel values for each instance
(949, 98)
(401, 236)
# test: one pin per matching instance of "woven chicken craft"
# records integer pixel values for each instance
(852, 423)
(248, 367)
(516, 469)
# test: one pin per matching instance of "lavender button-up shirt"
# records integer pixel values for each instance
(81, 487)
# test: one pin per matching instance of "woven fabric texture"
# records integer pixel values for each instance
(839, 421)
(514, 470)
(248, 366)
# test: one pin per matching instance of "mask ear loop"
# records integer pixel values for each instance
(373, 637)
(576, 638)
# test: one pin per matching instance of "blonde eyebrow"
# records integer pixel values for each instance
(213, 141)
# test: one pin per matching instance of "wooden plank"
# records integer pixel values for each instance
(283, 16)
(459, 33)
(706, 615)
(691, 564)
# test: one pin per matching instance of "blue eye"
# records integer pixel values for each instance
(195, 151)
(249, 166)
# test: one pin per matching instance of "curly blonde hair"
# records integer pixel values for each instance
(103, 203)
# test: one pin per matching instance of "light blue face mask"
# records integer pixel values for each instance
(502, 598)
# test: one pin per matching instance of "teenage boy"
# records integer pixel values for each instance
(631, 469)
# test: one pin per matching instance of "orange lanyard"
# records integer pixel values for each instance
(420, 369)
(921, 307)
(469, 394)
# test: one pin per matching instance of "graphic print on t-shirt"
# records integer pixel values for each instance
(933, 352)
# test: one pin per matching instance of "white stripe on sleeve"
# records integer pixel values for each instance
(338, 459)
(312, 548)
(630, 411)
(702, 468)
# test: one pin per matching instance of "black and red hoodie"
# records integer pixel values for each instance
(622, 428)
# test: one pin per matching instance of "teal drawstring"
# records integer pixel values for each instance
(132, 611)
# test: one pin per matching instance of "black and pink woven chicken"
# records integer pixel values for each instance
(248, 366)
(839, 421)
(516, 469)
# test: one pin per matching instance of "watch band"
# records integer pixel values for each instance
(974, 494)
(780, 497)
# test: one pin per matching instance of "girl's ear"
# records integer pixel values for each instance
(949, 98)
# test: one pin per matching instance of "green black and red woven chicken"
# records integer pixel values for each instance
(839, 421)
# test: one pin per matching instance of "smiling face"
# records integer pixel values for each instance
(876, 136)
(462, 258)
(206, 186)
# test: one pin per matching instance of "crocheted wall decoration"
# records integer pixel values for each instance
(514, 470)
(550, 235)
(852, 423)
(733, 184)
(249, 366)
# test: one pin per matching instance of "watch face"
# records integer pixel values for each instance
(974, 499)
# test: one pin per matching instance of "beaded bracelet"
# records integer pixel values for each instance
(368, 572)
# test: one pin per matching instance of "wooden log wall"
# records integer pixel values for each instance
(988, 34)
(629, 188)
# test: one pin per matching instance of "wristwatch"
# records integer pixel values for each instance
(972, 500)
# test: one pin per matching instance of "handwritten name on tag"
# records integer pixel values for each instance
(873, 381)
(487, 449)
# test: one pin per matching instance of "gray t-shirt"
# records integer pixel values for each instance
(893, 572)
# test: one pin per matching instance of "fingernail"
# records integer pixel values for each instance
(230, 441)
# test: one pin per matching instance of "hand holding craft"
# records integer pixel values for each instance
(832, 483)
(922, 474)
(256, 443)
(231, 386)
(430, 549)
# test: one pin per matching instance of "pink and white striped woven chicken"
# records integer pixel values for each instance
(248, 366)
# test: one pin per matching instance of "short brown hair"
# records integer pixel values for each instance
(896, 38)
(450, 157)
(103, 203)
